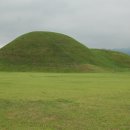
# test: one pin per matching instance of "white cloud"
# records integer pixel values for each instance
(97, 23)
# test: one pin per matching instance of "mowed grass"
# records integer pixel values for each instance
(50, 101)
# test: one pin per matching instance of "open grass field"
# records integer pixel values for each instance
(51, 101)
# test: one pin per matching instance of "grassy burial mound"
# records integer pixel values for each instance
(113, 60)
(54, 52)
(44, 51)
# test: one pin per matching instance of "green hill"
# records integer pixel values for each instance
(112, 59)
(54, 52)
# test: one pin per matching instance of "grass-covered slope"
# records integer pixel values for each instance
(54, 52)
(111, 59)
(44, 51)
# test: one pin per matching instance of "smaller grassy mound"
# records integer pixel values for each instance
(111, 59)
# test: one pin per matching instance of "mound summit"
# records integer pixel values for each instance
(55, 52)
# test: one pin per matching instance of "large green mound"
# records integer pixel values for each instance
(54, 52)
(44, 51)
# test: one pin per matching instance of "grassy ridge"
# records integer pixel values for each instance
(111, 59)
(39, 101)
(54, 52)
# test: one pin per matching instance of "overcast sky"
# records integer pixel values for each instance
(96, 23)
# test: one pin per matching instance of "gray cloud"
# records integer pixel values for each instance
(96, 23)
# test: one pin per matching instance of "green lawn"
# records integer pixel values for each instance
(46, 101)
